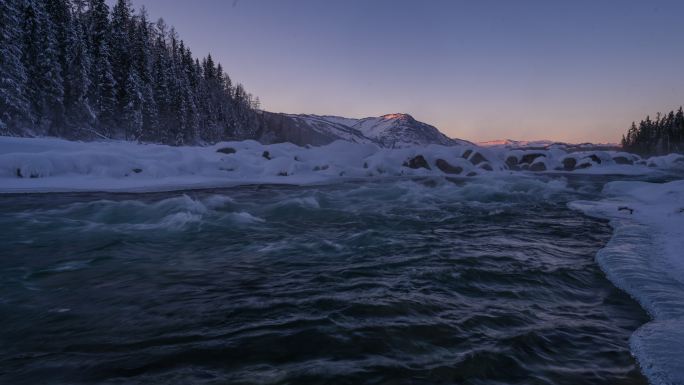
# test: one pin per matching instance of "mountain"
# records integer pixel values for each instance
(390, 131)
(401, 130)
(334, 126)
(510, 143)
(548, 144)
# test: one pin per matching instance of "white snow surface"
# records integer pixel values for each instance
(50, 165)
(645, 258)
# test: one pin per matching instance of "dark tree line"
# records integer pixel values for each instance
(661, 136)
(75, 69)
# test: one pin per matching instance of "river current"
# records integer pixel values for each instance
(426, 281)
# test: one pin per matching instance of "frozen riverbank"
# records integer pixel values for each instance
(645, 258)
(51, 165)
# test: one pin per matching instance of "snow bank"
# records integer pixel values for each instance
(645, 258)
(46, 164)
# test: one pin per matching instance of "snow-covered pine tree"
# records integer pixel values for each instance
(59, 16)
(70, 68)
(80, 118)
(141, 62)
(45, 89)
(161, 80)
(132, 111)
(121, 57)
(14, 106)
(102, 83)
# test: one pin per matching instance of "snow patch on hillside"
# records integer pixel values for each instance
(332, 126)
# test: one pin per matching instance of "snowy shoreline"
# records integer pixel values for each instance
(56, 165)
(645, 258)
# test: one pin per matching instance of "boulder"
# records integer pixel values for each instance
(538, 166)
(477, 158)
(595, 158)
(530, 158)
(512, 162)
(32, 175)
(486, 166)
(266, 155)
(447, 168)
(226, 150)
(622, 160)
(416, 162)
(466, 154)
(569, 164)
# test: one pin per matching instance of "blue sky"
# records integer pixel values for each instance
(479, 70)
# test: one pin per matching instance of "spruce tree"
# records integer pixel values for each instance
(102, 84)
(44, 81)
(14, 106)
(70, 68)
(121, 47)
(80, 119)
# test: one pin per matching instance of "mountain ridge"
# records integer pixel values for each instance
(388, 131)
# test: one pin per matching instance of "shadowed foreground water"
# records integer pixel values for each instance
(398, 282)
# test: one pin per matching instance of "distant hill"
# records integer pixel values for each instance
(548, 144)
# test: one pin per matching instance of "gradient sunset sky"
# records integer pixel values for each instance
(478, 70)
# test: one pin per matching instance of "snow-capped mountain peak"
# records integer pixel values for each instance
(397, 116)
(391, 130)
(401, 130)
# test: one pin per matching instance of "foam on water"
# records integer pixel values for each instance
(130, 216)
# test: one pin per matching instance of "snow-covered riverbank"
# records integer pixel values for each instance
(51, 165)
(645, 258)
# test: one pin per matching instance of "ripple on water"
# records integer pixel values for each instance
(393, 282)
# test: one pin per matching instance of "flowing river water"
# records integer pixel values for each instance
(429, 281)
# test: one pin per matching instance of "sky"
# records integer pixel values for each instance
(479, 70)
